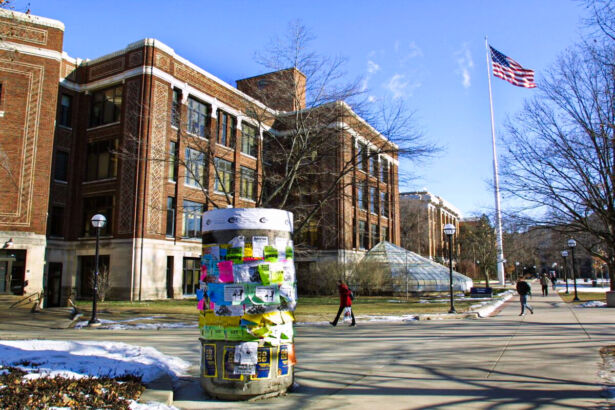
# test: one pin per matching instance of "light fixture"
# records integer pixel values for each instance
(449, 230)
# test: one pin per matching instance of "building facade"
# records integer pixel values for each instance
(423, 217)
(150, 140)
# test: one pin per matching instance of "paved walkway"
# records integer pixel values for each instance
(546, 360)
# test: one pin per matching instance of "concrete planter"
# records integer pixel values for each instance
(610, 299)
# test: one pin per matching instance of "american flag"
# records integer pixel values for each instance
(508, 69)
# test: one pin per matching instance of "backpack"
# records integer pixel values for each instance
(524, 288)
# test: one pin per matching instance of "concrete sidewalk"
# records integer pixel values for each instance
(546, 360)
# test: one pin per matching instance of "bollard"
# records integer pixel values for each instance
(246, 299)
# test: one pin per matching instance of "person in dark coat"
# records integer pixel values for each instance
(345, 301)
(523, 289)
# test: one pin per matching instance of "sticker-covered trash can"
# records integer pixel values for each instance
(246, 298)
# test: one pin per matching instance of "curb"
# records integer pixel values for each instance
(441, 316)
(159, 390)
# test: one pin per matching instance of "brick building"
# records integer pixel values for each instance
(150, 140)
(424, 216)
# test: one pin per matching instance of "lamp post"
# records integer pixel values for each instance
(572, 244)
(449, 230)
(98, 221)
(516, 271)
(565, 255)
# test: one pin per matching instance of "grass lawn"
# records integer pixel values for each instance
(309, 308)
(583, 296)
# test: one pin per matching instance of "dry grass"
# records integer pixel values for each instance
(309, 308)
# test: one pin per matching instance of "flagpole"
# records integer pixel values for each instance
(498, 212)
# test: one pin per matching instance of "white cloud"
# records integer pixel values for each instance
(371, 99)
(464, 65)
(372, 67)
(414, 51)
(399, 86)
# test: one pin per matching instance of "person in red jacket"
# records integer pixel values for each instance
(345, 301)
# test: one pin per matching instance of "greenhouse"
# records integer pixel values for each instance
(412, 272)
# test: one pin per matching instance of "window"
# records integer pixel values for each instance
(362, 195)
(106, 106)
(56, 221)
(60, 171)
(362, 156)
(227, 125)
(384, 205)
(195, 168)
(193, 213)
(197, 117)
(374, 164)
(224, 176)
(248, 140)
(373, 200)
(176, 108)
(170, 216)
(247, 183)
(173, 161)
(102, 160)
(223, 129)
(66, 103)
(363, 235)
(192, 270)
(384, 172)
(97, 205)
(373, 233)
(384, 233)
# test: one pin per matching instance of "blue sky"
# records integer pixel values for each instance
(429, 53)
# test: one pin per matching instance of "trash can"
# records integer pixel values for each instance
(246, 298)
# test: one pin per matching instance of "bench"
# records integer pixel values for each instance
(481, 292)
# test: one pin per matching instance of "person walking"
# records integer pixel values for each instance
(523, 289)
(345, 302)
(553, 281)
(544, 282)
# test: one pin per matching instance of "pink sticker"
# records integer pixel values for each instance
(211, 305)
(203, 272)
(201, 304)
(226, 271)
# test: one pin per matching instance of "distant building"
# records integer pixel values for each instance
(81, 137)
(423, 216)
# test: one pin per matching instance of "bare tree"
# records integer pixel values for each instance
(477, 245)
(561, 150)
(309, 162)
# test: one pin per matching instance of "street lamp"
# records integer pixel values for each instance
(565, 255)
(449, 230)
(572, 244)
(516, 271)
(98, 221)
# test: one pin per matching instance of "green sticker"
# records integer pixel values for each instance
(271, 254)
(233, 333)
(289, 252)
(276, 277)
(235, 255)
(263, 271)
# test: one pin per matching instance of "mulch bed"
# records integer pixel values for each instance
(87, 392)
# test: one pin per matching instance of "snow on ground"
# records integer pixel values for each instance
(132, 324)
(74, 359)
(593, 304)
(485, 309)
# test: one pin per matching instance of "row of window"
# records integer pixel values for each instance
(224, 174)
(107, 106)
(366, 237)
(191, 272)
(368, 199)
(367, 161)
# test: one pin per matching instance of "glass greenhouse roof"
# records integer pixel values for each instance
(421, 274)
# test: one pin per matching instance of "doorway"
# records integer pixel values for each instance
(54, 284)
